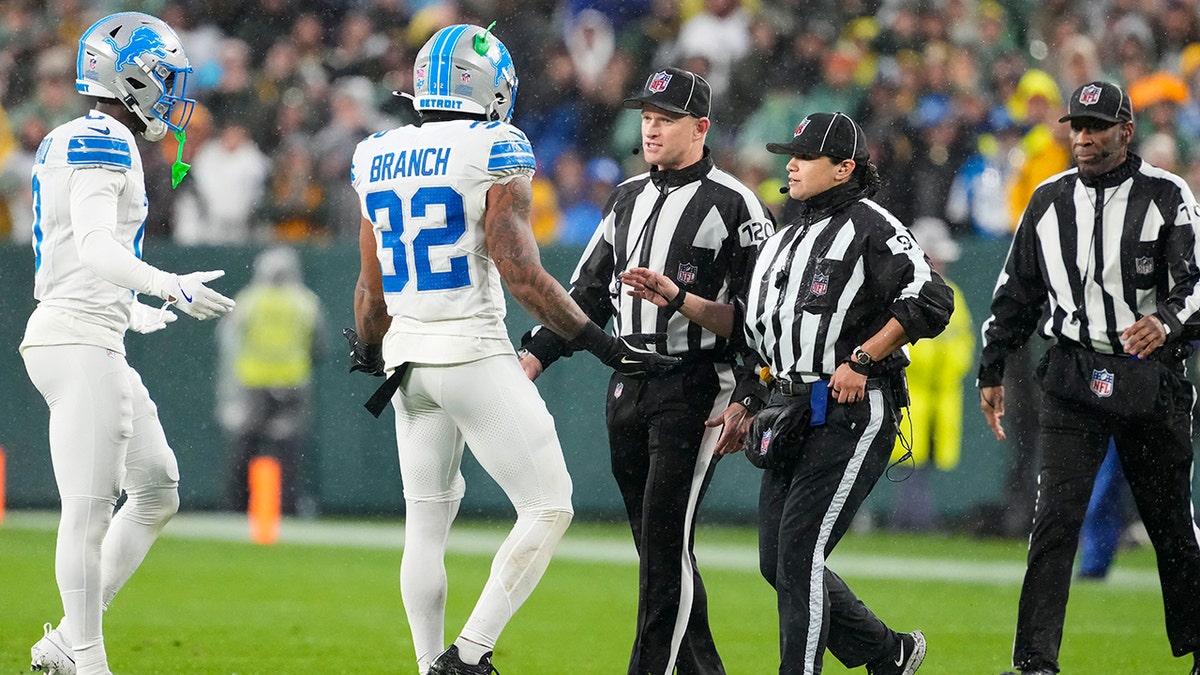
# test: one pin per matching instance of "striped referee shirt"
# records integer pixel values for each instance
(697, 225)
(1092, 256)
(831, 279)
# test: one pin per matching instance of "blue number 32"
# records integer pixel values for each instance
(459, 274)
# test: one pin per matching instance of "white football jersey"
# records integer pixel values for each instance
(425, 190)
(75, 306)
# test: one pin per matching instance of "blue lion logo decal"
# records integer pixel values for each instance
(143, 40)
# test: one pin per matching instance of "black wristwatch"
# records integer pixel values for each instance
(860, 361)
(752, 404)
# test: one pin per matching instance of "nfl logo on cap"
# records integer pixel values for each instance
(1102, 383)
(1089, 95)
(800, 129)
(659, 82)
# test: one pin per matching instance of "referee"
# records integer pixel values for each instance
(1106, 260)
(832, 298)
(701, 227)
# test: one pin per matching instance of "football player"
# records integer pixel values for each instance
(105, 436)
(445, 219)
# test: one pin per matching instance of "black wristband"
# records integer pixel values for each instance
(592, 338)
(676, 302)
(859, 368)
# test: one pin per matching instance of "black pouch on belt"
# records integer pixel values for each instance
(779, 428)
(1114, 383)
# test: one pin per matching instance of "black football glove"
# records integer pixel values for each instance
(366, 358)
(628, 355)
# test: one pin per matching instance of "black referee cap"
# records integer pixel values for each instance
(675, 90)
(1100, 100)
(828, 135)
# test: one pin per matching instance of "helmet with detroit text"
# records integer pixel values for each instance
(464, 68)
(139, 61)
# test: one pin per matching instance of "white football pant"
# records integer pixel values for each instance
(105, 436)
(493, 407)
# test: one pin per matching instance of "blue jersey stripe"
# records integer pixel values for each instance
(99, 150)
(511, 154)
(98, 143)
(512, 160)
(100, 157)
(37, 224)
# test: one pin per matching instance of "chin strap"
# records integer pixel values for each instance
(179, 169)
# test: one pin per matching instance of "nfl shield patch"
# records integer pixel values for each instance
(617, 390)
(465, 77)
(1102, 383)
(1089, 95)
(659, 82)
(1144, 265)
(820, 283)
(419, 76)
(766, 442)
(686, 273)
(800, 129)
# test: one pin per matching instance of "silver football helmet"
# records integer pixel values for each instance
(138, 60)
(464, 68)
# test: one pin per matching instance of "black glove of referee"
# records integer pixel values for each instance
(366, 358)
(628, 355)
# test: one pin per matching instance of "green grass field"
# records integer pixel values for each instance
(326, 600)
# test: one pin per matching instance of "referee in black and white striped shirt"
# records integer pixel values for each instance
(701, 226)
(833, 296)
(1105, 262)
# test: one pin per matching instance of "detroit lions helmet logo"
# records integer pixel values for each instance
(143, 40)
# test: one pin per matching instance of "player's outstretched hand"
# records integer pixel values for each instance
(196, 300)
(364, 357)
(628, 355)
(146, 319)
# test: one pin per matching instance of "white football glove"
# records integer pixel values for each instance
(146, 319)
(195, 299)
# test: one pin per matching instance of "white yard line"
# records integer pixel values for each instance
(578, 546)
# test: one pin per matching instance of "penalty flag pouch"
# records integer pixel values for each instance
(778, 431)
(1114, 383)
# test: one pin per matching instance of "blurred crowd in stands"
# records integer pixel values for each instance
(960, 97)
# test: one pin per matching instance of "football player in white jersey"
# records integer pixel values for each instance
(445, 208)
(105, 436)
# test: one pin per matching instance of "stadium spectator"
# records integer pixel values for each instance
(227, 184)
(294, 205)
(977, 202)
(719, 33)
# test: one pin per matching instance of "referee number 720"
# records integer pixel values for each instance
(386, 210)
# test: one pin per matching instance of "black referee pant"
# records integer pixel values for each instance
(803, 513)
(1156, 455)
(662, 459)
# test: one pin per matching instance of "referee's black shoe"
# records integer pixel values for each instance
(450, 663)
(1196, 663)
(912, 653)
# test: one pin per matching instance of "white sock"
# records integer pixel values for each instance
(91, 660)
(470, 652)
